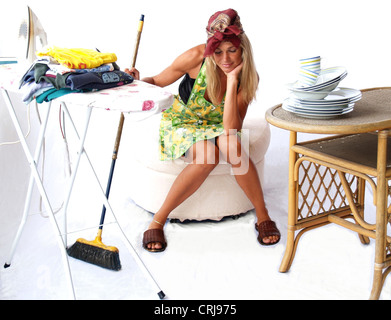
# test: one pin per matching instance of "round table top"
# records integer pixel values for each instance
(371, 113)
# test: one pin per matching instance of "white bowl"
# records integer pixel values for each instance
(309, 95)
(327, 78)
(327, 88)
(314, 94)
(331, 74)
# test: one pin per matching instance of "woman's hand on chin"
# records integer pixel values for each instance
(234, 73)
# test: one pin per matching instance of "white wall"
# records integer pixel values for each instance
(352, 33)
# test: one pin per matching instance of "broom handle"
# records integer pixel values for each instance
(139, 31)
(120, 127)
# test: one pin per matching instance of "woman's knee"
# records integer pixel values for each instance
(232, 152)
(231, 148)
(204, 153)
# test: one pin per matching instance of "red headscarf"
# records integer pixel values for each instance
(223, 26)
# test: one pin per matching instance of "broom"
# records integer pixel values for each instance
(95, 251)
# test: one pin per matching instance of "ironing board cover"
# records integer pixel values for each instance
(138, 98)
(134, 97)
(9, 77)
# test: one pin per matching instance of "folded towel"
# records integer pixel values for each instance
(77, 58)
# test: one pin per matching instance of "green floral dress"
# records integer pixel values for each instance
(182, 125)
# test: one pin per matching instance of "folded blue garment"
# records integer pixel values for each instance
(98, 80)
(53, 94)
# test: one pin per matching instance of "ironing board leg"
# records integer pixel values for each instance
(129, 246)
(37, 178)
(75, 169)
(37, 154)
(125, 239)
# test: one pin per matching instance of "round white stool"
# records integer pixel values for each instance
(150, 179)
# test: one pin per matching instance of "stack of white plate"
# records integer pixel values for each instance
(324, 99)
(336, 103)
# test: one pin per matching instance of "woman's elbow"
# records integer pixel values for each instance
(149, 80)
(232, 128)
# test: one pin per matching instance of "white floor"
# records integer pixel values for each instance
(203, 260)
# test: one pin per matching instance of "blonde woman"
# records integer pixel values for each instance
(204, 122)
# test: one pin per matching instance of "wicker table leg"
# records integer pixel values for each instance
(381, 216)
(292, 204)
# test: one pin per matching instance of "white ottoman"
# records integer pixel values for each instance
(150, 179)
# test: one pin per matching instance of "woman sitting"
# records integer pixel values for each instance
(205, 120)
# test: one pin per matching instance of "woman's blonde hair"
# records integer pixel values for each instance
(248, 78)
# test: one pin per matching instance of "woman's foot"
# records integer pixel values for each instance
(268, 233)
(154, 240)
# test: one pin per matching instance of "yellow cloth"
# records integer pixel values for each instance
(77, 58)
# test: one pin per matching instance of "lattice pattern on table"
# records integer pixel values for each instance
(321, 190)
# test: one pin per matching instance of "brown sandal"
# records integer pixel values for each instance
(154, 235)
(267, 229)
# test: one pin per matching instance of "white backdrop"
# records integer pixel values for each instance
(350, 33)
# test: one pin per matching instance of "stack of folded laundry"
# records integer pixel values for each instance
(59, 71)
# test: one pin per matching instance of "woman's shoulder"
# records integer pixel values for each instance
(196, 52)
(191, 59)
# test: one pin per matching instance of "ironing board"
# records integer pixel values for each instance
(138, 99)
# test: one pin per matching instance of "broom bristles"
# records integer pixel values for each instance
(95, 252)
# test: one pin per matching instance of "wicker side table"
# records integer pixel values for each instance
(327, 177)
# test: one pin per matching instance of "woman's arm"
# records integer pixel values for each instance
(188, 62)
(235, 108)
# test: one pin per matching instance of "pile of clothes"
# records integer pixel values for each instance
(59, 71)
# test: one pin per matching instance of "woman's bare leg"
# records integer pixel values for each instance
(246, 175)
(204, 158)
